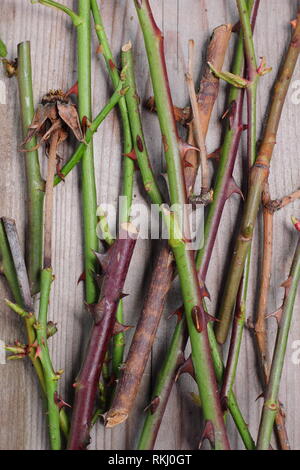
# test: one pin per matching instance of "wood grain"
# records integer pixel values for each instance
(54, 66)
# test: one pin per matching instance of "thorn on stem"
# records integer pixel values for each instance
(153, 405)
(208, 434)
(82, 277)
(186, 368)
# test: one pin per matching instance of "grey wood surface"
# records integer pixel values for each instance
(22, 421)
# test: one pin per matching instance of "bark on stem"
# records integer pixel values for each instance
(277, 204)
(258, 176)
(201, 355)
(48, 216)
(142, 342)
(260, 324)
(115, 266)
(271, 405)
(197, 126)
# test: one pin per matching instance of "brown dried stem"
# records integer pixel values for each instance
(54, 141)
(198, 132)
(260, 323)
(143, 339)
(207, 95)
(269, 208)
(258, 176)
(277, 204)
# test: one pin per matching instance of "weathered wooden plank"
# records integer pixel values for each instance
(54, 65)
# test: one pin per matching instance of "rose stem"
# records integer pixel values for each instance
(277, 204)
(163, 387)
(24, 306)
(201, 355)
(76, 157)
(223, 177)
(258, 176)
(3, 49)
(115, 266)
(260, 324)
(197, 126)
(240, 309)
(22, 294)
(270, 408)
(50, 376)
(128, 165)
(35, 183)
(145, 332)
(163, 270)
(82, 22)
(89, 202)
(89, 198)
(8, 267)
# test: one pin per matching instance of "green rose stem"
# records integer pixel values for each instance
(7, 267)
(89, 202)
(270, 408)
(155, 411)
(50, 376)
(128, 165)
(89, 198)
(76, 157)
(252, 76)
(82, 23)
(223, 188)
(235, 344)
(195, 315)
(24, 308)
(35, 183)
(258, 176)
(164, 383)
(3, 49)
(240, 310)
(163, 271)
(16, 275)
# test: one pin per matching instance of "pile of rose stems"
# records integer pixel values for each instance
(107, 385)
